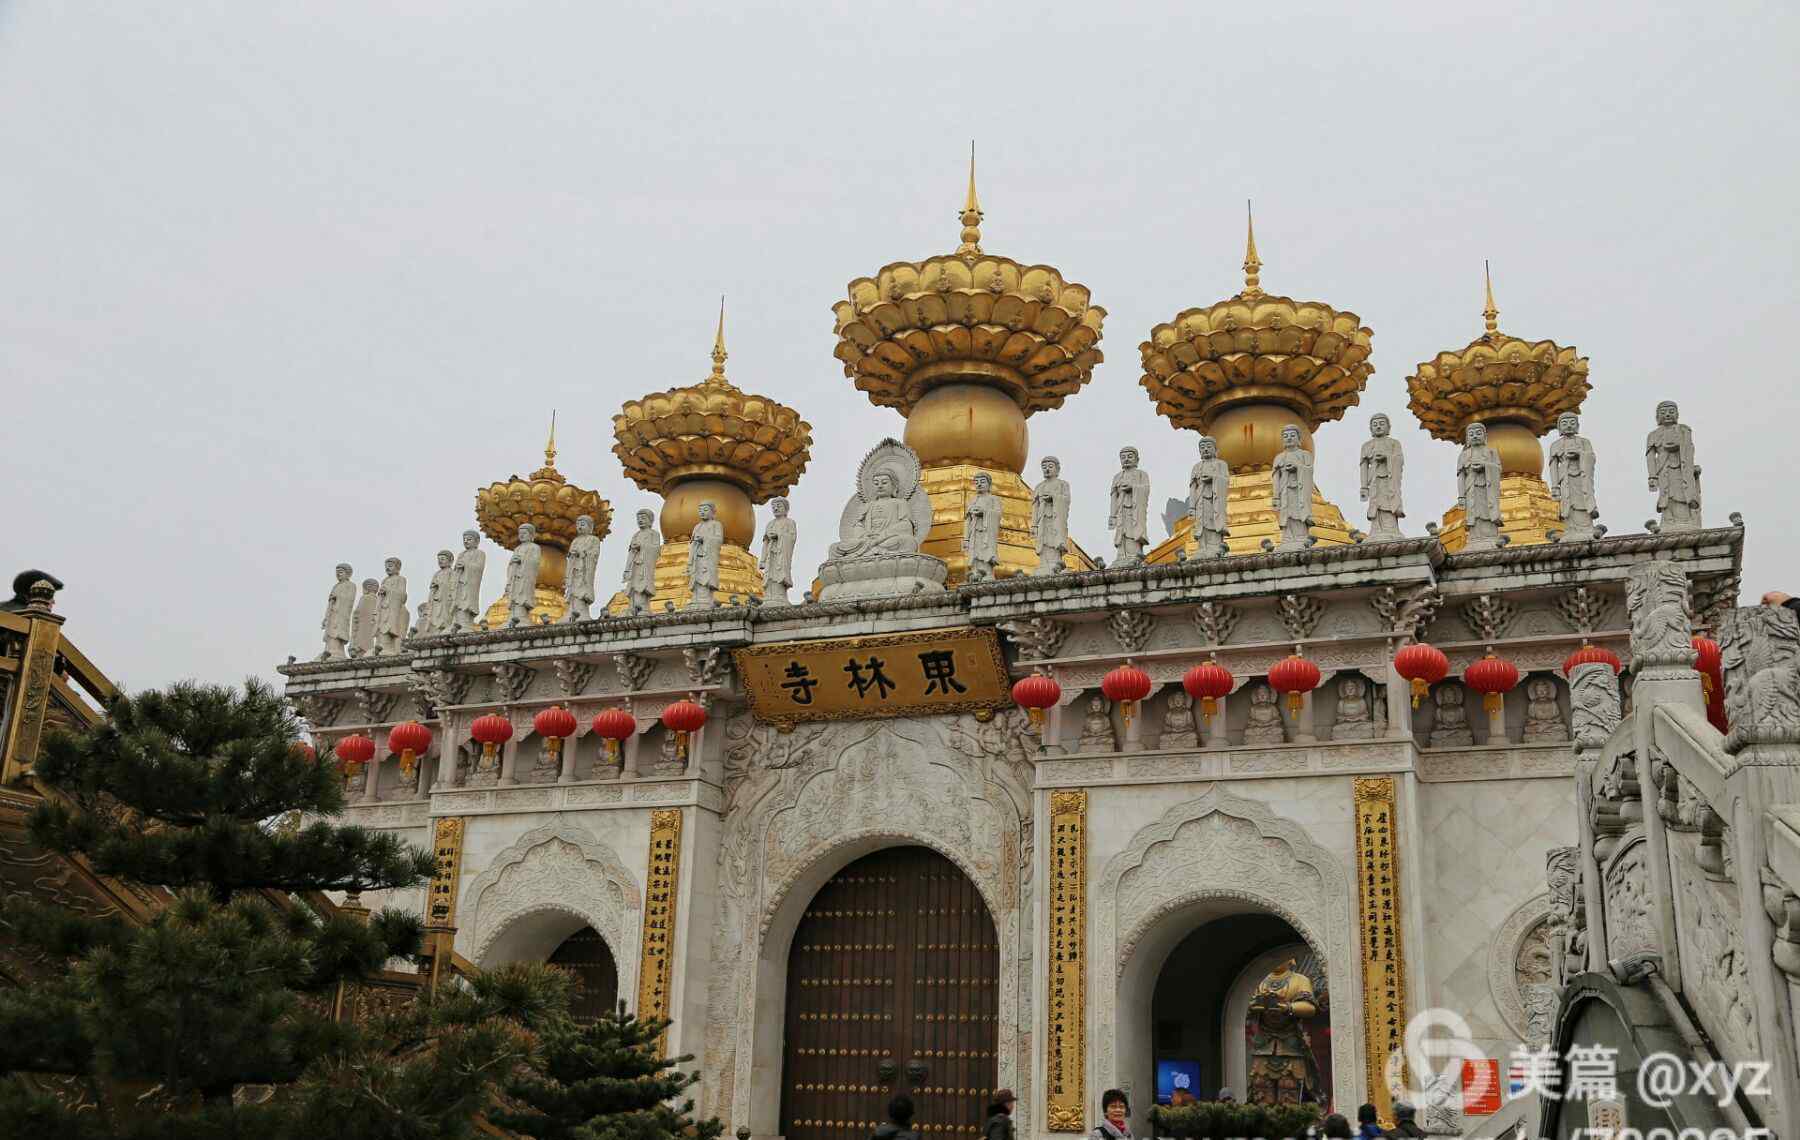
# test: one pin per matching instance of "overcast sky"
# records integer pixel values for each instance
(283, 283)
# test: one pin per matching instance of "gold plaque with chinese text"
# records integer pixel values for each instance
(902, 674)
(656, 962)
(1383, 955)
(1064, 1052)
(446, 848)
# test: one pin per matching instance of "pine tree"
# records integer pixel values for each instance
(226, 987)
(607, 1080)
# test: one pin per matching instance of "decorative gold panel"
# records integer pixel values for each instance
(1064, 1041)
(657, 960)
(1383, 955)
(903, 674)
(446, 846)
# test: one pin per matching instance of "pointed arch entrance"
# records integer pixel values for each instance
(586, 955)
(892, 987)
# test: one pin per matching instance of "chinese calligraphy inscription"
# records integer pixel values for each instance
(1066, 1065)
(657, 959)
(446, 847)
(1383, 957)
(890, 675)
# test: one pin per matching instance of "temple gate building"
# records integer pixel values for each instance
(814, 827)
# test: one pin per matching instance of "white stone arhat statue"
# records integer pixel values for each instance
(1128, 508)
(582, 560)
(981, 529)
(362, 627)
(1669, 456)
(777, 564)
(1209, 489)
(1381, 470)
(1291, 491)
(439, 614)
(521, 576)
(340, 609)
(1478, 489)
(465, 603)
(1571, 462)
(1050, 517)
(877, 552)
(640, 563)
(703, 558)
(390, 612)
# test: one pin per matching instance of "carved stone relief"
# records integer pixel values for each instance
(1521, 976)
(1715, 973)
(1630, 917)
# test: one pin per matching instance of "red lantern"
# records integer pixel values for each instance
(1036, 693)
(1711, 662)
(681, 718)
(1591, 654)
(1126, 685)
(553, 724)
(1492, 677)
(490, 731)
(1294, 675)
(1423, 666)
(613, 726)
(301, 750)
(409, 739)
(1208, 682)
(353, 752)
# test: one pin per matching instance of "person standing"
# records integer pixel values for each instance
(1368, 1123)
(1406, 1121)
(1114, 1111)
(1000, 1122)
(898, 1125)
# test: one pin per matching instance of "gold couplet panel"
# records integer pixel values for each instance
(903, 674)
(446, 847)
(1065, 1043)
(657, 960)
(1383, 956)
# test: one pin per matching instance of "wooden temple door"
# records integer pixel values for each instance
(893, 987)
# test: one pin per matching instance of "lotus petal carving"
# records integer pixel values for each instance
(716, 430)
(547, 500)
(1498, 377)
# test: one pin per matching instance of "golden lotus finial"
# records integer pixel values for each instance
(970, 248)
(718, 352)
(1252, 264)
(1490, 314)
(548, 470)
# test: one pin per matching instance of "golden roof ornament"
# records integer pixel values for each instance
(1516, 388)
(548, 501)
(966, 346)
(1241, 370)
(710, 442)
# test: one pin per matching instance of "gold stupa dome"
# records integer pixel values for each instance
(548, 501)
(966, 345)
(710, 442)
(1516, 388)
(1240, 370)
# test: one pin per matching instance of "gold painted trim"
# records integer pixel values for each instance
(1382, 936)
(656, 959)
(1065, 1009)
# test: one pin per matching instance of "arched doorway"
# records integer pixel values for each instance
(586, 955)
(892, 986)
(1216, 1017)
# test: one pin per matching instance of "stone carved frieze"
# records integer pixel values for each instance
(1521, 971)
(1713, 598)
(372, 705)
(705, 666)
(1215, 621)
(1656, 593)
(633, 670)
(1300, 613)
(1760, 651)
(1131, 628)
(511, 680)
(1410, 612)
(1489, 618)
(1583, 607)
(318, 711)
(1630, 914)
(1219, 845)
(1715, 972)
(560, 867)
(1036, 638)
(947, 783)
(572, 675)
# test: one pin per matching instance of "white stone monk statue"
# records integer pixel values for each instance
(521, 576)
(579, 566)
(778, 539)
(1669, 455)
(470, 565)
(340, 608)
(640, 563)
(981, 529)
(1380, 470)
(1128, 509)
(1291, 491)
(1050, 517)
(703, 558)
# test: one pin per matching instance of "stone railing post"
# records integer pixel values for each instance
(1595, 714)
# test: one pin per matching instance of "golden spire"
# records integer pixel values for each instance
(1252, 264)
(1490, 314)
(550, 447)
(971, 216)
(718, 352)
